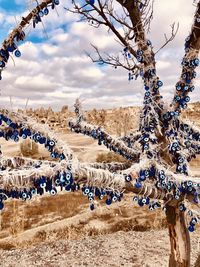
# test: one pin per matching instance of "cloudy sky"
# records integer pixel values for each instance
(54, 69)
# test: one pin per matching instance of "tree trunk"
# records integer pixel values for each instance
(179, 237)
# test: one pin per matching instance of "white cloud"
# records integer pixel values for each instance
(57, 70)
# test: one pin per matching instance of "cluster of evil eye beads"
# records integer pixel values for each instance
(146, 139)
(11, 46)
(135, 73)
(185, 86)
(168, 186)
(102, 138)
(38, 17)
(191, 136)
(63, 180)
(14, 131)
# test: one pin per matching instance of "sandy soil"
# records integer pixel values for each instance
(130, 249)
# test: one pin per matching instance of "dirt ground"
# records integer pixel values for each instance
(130, 249)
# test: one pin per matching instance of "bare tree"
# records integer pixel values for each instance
(160, 149)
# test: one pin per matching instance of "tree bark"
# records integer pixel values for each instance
(179, 237)
(197, 263)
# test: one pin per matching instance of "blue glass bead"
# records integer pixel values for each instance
(182, 207)
(92, 206)
(191, 228)
(46, 11)
(108, 201)
(2, 53)
(143, 200)
(192, 88)
(147, 94)
(190, 213)
(135, 198)
(178, 87)
(90, 195)
(87, 191)
(57, 182)
(114, 198)
(148, 42)
(128, 178)
(42, 140)
(17, 53)
(24, 195)
(194, 221)
(97, 192)
(138, 185)
(159, 83)
(176, 196)
(146, 146)
(147, 200)
(33, 191)
(53, 191)
(2, 64)
(151, 207)
(11, 47)
(29, 196)
(196, 62)
(51, 143)
(69, 176)
(142, 176)
(68, 188)
(140, 202)
(62, 156)
(1, 205)
(194, 74)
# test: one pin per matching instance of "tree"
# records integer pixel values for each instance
(163, 140)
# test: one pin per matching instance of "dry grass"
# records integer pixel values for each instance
(19, 216)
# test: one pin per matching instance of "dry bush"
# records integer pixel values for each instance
(110, 157)
(122, 121)
(7, 246)
(40, 236)
(97, 117)
(28, 148)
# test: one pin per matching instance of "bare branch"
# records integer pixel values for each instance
(115, 61)
(169, 39)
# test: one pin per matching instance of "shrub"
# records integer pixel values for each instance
(28, 148)
(110, 157)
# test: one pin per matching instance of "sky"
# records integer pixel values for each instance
(54, 69)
